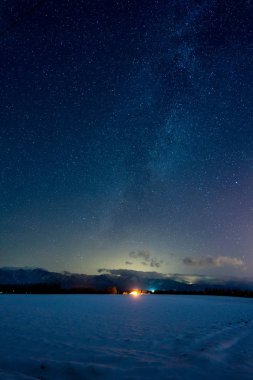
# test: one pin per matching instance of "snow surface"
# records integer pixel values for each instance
(122, 337)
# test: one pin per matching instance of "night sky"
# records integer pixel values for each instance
(126, 135)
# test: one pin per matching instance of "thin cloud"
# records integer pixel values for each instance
(132, 273)
(141, 254)
(102, 270)
(145, 258)
(154, 263)
(217, 262)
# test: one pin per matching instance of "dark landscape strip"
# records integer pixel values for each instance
(57, 289)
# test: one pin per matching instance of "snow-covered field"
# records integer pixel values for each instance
(122, 337)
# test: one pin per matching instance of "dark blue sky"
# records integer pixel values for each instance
(126, 135)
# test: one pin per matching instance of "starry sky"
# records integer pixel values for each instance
(126, 137)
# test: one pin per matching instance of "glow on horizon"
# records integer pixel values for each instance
(135, 293)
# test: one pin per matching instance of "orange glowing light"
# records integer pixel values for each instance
(135, 293)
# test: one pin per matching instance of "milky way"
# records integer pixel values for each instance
(126, 135)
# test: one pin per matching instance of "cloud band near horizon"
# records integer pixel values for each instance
(216, 262)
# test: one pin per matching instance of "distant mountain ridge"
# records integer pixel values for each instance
(123, 279)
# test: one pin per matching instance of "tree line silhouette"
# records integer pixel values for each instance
(55, 288)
